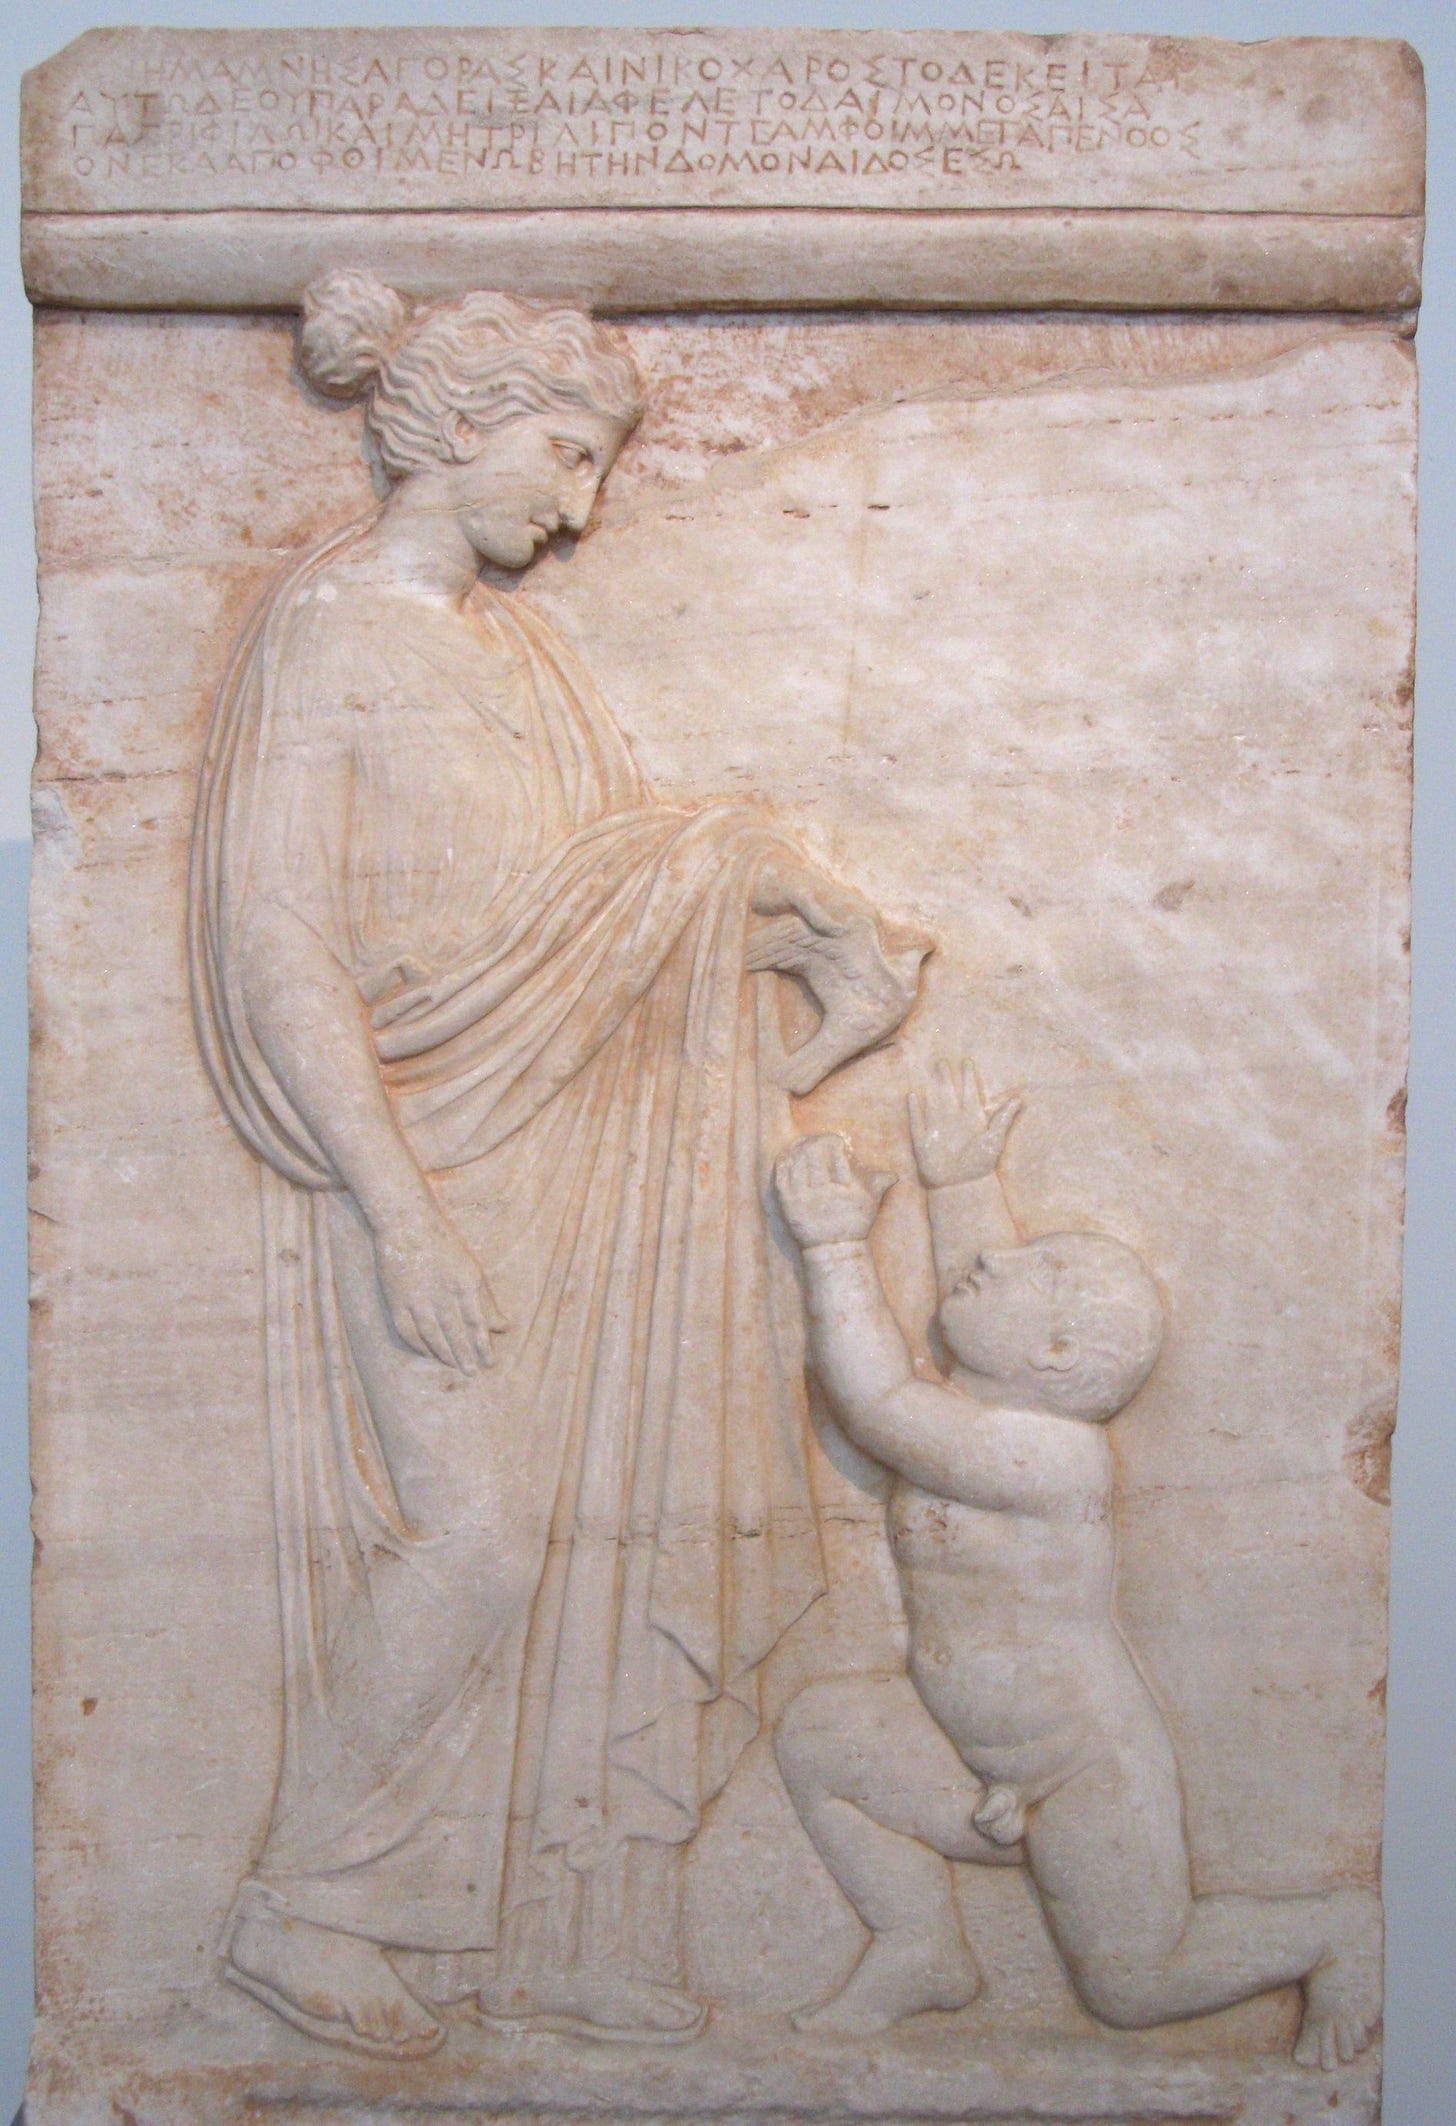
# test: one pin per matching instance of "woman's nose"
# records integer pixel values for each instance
(578, 492)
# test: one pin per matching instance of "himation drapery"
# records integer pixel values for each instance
(523, 1613)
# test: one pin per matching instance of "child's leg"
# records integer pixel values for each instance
(1110, 1861)
(882, 1793)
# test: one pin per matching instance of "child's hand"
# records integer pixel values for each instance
(953, 1137)
(823, 1196)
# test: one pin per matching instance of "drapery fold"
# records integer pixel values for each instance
(559, 1649)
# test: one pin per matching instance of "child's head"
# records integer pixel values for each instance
(1074, 1319)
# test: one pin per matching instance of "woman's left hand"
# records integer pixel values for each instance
(829, 939)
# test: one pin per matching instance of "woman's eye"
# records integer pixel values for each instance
(571, 455)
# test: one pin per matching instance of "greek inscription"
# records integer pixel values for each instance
(692, 118)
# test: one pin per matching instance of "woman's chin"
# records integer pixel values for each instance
(512, 550)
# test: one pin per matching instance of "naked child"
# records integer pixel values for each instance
(607, 598)
(1000, 1521)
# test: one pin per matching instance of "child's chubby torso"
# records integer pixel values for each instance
(1012, 1644)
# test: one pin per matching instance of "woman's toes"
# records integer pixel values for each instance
(393, 2019)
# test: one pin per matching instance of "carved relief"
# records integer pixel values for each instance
(603, 1607)
(504, 1038)
(1024, 1731)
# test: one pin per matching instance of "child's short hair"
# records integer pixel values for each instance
(1115, 1314)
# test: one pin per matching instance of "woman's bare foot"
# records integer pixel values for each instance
(335, 1987)
(900, 1974)
(1342, 1994)
(597, 2004)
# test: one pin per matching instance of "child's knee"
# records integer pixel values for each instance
(1124, 1992)
(1117, 2001)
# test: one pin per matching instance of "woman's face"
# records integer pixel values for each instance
(515, 487)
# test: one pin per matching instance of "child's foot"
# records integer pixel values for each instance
(899, 1974)
(1342, 1993)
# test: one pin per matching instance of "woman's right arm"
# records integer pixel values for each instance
(311, 1024)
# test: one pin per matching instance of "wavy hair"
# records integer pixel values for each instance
(488, 356)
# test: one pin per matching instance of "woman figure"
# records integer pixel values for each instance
(503, 1035)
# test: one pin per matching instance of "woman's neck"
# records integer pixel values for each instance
(416, 545)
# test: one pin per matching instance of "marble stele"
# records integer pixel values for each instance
(719, 1011)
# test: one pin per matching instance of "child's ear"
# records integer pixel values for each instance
(1059, 1356)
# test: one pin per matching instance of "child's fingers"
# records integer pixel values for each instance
(1004, 1116)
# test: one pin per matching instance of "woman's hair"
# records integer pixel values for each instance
(489, 357)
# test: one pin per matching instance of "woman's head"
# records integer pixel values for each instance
(502, 416)
(482, 359)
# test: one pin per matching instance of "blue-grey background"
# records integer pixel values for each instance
(1421, 1817)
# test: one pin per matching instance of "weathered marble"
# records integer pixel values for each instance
(963, 750)
(224, 169)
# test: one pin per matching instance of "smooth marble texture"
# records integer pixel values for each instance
(719, 1042)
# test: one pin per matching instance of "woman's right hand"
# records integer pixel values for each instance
(435, 1290)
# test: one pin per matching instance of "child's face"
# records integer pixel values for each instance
(1073, 1321)
(1004, 1310)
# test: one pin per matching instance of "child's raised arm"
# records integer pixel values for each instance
(940, 1439)
(829, 1206)
(958, 1151)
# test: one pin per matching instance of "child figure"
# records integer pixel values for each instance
(1024, 1730)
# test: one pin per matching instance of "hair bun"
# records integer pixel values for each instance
(351, 325)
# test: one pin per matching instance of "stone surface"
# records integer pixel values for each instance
(173, 169)
(1024, 695)
(201, 120)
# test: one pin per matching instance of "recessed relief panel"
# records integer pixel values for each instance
(719, 1046)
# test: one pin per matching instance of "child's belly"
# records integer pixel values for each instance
(1027, 1697)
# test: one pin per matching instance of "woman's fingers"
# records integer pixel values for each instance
(801, 1070)
(483, 1318)
(427, 1339)
(781, 939)
(438, 1296)
(408, 1330)
(458, 1335)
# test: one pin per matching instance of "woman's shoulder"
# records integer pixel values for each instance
(335, 630)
